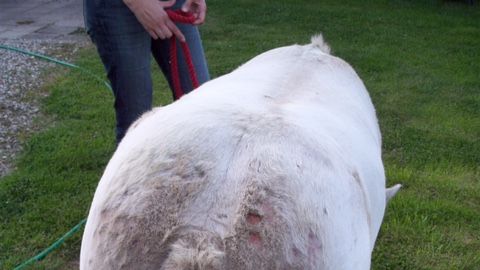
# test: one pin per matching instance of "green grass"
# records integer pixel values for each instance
(420, 61)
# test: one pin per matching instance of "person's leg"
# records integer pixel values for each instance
(124, 47)
(161, 52)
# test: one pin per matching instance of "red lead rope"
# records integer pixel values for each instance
(181, 17)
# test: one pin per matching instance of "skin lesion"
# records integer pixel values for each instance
(253, 218)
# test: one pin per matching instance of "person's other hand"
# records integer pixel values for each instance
(198, 8)
(152, 15)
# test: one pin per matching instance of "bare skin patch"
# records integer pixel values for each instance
(255, 239)
(253, 218)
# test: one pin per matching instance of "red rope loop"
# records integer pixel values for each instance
(188, 18)
(180, 16)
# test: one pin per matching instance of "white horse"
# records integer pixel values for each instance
(276, 165)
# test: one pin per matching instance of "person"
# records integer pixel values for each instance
(127, 33)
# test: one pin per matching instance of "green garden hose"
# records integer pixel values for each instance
(56, 61)
(40, 256)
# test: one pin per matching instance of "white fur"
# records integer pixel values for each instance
(276, 165)
(391, 191)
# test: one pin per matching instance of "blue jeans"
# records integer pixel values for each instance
(126, 48)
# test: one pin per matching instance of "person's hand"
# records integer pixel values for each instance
(198, 8)
(152, 15)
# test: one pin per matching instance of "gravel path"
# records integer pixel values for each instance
(21, 77)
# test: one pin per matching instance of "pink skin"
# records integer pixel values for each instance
(255, 239)
(314, 245)
(253, 219)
